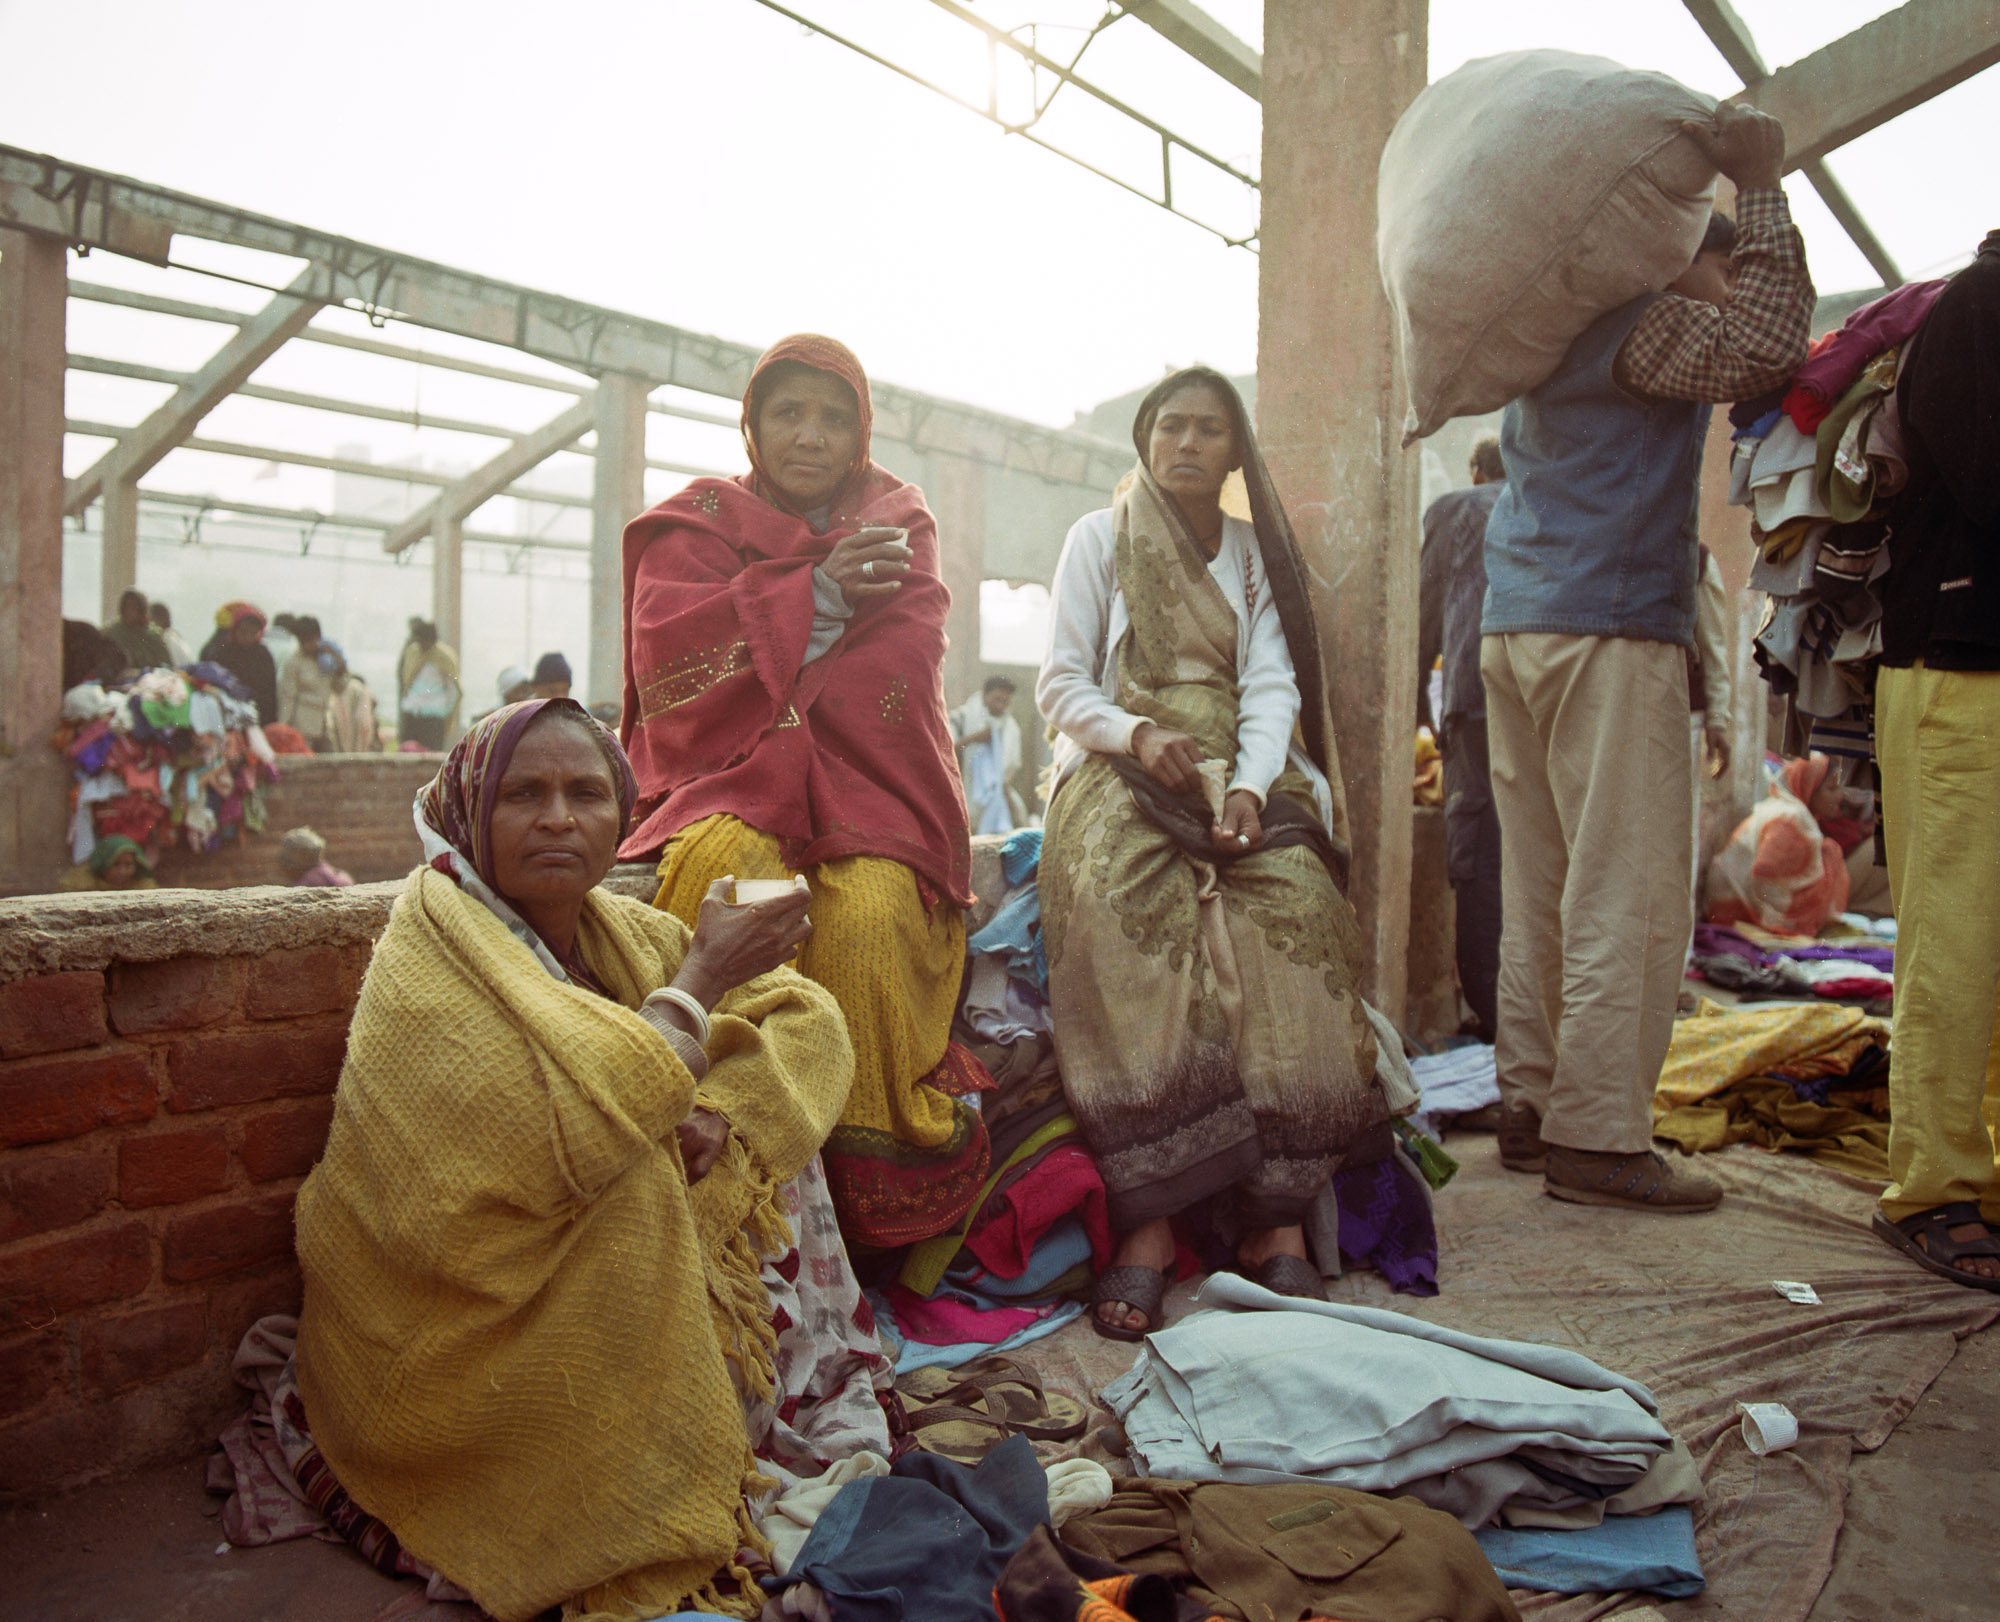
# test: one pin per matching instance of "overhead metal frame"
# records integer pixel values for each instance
(606, 362)
(1064, 74)
(1833, 96)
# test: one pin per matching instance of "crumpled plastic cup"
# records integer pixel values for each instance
(1768, 1427)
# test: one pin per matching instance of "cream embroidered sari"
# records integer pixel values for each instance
(1207, 1017)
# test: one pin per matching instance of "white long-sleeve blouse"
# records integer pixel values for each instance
(1078, 685)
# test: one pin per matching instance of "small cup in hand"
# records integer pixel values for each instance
(749, 892)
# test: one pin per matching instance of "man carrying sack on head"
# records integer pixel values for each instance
(1591, 561)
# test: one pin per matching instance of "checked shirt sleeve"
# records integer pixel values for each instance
(1685, 349)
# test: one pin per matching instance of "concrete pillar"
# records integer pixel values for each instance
(958, 498)
(618, 493)
(34, 287)
(1330, 408)
(118, 570)
(448, 576)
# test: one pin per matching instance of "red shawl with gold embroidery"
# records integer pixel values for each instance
(850, 756)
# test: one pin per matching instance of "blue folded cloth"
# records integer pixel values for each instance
(928, 1540)
(1060, 1249)
(1654, 1553)
(1021, 854)
(915, 1354)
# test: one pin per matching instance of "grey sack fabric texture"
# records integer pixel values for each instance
(1519, 198)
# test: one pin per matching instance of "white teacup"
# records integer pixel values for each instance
(750, 891)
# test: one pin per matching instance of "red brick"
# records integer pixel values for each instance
(227, 1238)
(170, 1168)
(236, 1305)
(245, 1065)
(31, 1366)
(41, 1284)
(285, 1142)
(305, 980)
(42, 1189)
(177, 995)
(43, 1100)
(51, 1014)
(140, 1347)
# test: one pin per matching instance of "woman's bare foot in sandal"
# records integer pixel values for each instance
(1151, 1244)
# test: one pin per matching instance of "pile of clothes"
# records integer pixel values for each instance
(1506, 1437)
(1811, 1078)
(951, 1542)
(1016, 1266)
(1818, 465)
(171, 757)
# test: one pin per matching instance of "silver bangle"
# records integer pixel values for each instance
(692, 1004)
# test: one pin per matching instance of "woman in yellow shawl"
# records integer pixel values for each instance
(1203, 962)
(533, 1312)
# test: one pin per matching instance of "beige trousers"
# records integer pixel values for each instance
(1937, 737)
(1591, 777)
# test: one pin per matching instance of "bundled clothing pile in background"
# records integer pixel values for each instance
(1812, 1078)
(172, 757)
(1785, 866)
(1819, 465)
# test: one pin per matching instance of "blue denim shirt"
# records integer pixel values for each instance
(1594, 534)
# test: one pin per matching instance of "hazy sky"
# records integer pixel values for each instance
(707, 163)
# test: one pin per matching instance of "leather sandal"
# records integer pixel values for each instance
(1939, 1253)
(1521, 1146)
(1287, 1275)
(1143, 1289)
(1636, 1182)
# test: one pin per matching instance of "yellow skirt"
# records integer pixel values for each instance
(907, 1158)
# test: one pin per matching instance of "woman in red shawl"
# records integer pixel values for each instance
(784, 711)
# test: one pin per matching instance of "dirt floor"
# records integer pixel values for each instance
(1917, 1541)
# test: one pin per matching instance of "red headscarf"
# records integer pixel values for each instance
(850, 756)
(822, 354)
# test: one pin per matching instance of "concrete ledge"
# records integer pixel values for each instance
(53, 934)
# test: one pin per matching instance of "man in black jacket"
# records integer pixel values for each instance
(1937, 724)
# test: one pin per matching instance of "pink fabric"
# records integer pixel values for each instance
(1063, 1181)
(950, 1322)
(1837, 361)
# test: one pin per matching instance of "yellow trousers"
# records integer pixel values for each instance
(892, 966)
(1937, 737)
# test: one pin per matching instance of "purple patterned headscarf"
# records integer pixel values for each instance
(454, 811)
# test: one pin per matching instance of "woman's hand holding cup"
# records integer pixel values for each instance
(734, 942)
(871, 562)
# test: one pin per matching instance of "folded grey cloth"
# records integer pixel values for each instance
(1275, 1388)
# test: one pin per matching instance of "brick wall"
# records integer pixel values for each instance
(167, 1060)
(159, 1104)
(360, 803)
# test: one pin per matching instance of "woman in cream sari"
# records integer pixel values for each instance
(1203, 962)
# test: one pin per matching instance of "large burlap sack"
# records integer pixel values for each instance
(1519, 199)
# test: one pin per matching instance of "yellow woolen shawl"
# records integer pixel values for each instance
(520, 1321)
